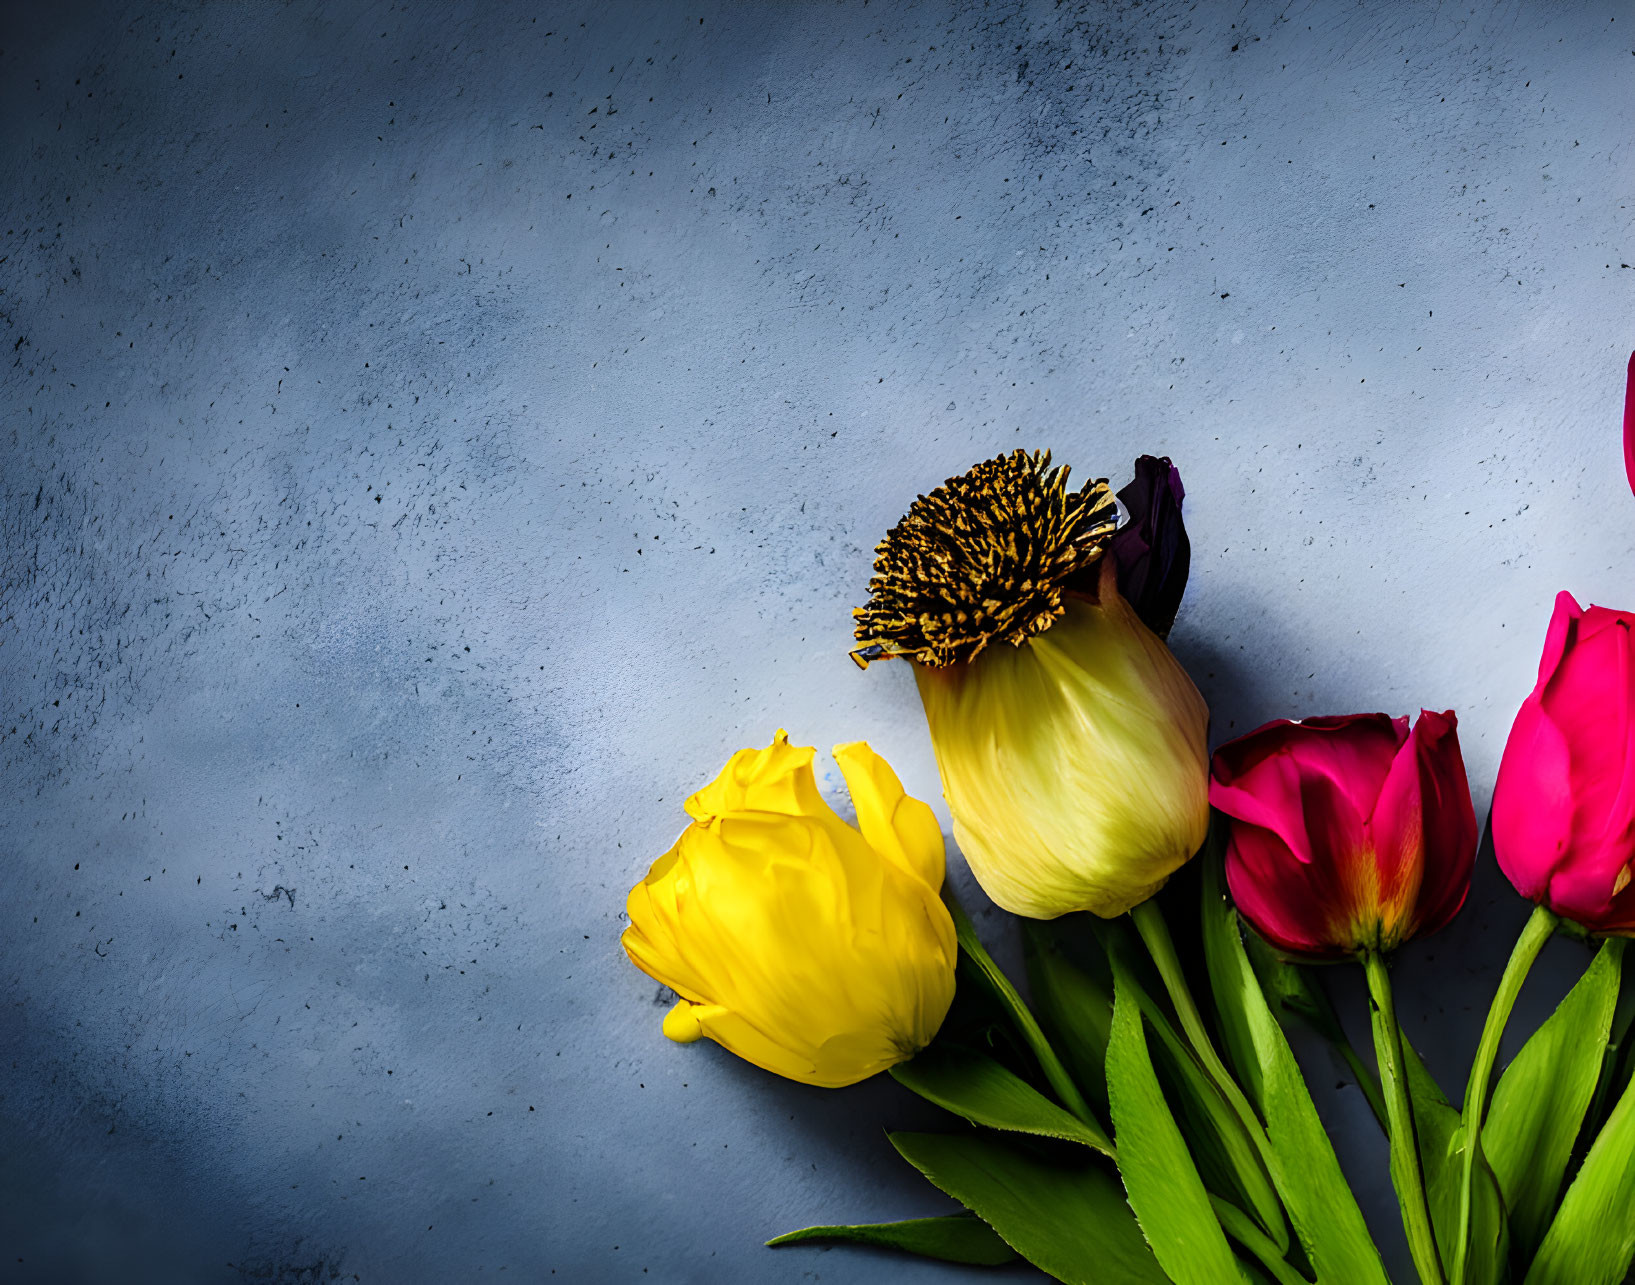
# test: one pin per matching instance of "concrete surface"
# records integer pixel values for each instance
(433, 440)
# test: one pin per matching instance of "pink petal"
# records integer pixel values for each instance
(1291, 903)
(1588, 699)
(1629, 423)
(1300, 796)
(1314, 783)
(1532, 801)
(1563, 629)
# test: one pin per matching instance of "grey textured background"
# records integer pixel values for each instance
(432, 441)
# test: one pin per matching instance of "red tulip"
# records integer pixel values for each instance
(1564, 803)
(1347, 834)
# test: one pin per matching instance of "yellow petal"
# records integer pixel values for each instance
(683, 1022)
(737, 1034)
(1075, 767)
(776, 779)
(899, 827)
(792, 939)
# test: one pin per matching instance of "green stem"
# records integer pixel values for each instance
(1020, 1014)
(1149, 922)
(1540, 925)
(1406, 1173)
(1241, 1228)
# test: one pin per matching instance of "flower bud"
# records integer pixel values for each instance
(1072, 745)
(1564, 802)
(814, 949)
(1348, 833)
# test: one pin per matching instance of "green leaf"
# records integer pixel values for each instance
(984, 1092)
(1293, 992)
(993, 979)
(958, 1238)
(1289, 987)
(1422, 1085)
(1542, 1096)
(1223, 944)
(1227, 1159)
(1324, 1212)
(1165, 1190)
(1068, 1219)
(1615, 1065)
(1442, 1156)
(1074, 1006)
(1592, 1240)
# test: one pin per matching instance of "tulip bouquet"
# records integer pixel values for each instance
(1140, 1116)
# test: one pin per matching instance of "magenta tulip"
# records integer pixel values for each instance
(1564, 803)
(1629, 422)
(1348, 834)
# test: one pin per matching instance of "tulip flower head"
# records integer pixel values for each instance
(1347, 834)
(812, 948)
(1564, 802)
(1071, 742)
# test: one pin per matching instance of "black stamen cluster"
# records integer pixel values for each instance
(986, 556)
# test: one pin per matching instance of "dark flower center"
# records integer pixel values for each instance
(986, 556)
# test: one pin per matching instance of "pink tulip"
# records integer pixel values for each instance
(1347, 834)
(1564, 803)
(1629, 422)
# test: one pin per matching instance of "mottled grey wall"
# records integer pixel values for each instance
(431, 441)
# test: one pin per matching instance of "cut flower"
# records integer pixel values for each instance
(812, 948)
(1070, 741)
(1349, 833)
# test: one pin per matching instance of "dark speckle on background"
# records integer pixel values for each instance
(433, 437)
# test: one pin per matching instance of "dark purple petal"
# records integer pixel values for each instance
(1152, 549)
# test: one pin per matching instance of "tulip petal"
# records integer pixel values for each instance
(1385, 877)
(1618, 826)
(735, 1033)
(1629, 423)
(1563, 629)
(1533, 793)
(1313, 783)
(1450, 821)
(1532, 801)
(1331, 821)
(775, 779)
(1593, 693)
(1564, 803)
(651, 940)
(1271, 803)
(790, 939)
(1152, 551)
(896, 825)
(681, 1022)
(1286, 899)
(1075, 767)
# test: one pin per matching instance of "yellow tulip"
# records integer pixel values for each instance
(812, 948)
(1072, 745)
